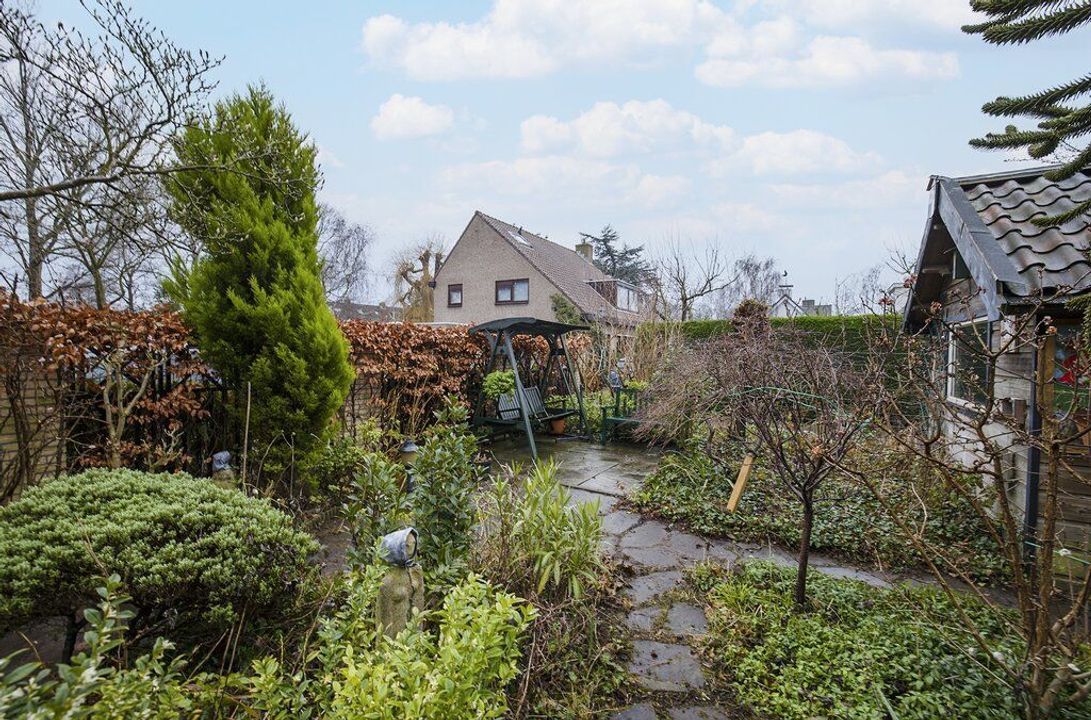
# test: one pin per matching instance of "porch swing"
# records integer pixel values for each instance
(525, 407)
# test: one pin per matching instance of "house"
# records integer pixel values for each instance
(348, 310)
(986, 270)
(499, 270)
(786, 306)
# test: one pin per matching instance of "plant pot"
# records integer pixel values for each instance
(556, 426)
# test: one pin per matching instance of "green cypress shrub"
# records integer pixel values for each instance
(255, 298)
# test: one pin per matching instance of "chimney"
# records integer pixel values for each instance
(584, 248)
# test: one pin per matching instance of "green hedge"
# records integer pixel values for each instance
(849, 332)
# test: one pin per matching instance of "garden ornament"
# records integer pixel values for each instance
(402, 588)
(222, 472)
(399, 548)
(408, 451)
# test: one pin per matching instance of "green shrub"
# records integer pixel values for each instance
(857, 652)
(534, 541)
(688, 487)
(376, 501)
(92, 686)
(179, 544)
(446, 479)
(459, 671)
(497, 383)
(255, 298)
(459, 675)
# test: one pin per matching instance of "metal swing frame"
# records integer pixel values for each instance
(499, 333)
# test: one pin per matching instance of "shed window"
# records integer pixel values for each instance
(512, 292)
(454, 295)
(968, 375)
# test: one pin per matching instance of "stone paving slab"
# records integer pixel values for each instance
(619, 522)
(643, 619)
(666, 667)
(686, 619)
(644, 711)
(646, 588)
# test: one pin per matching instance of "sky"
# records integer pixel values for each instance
(804, 130)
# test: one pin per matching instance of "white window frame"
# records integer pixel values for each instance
(951, 346)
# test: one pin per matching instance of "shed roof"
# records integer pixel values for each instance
(989, 220)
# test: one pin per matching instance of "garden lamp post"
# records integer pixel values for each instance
(408, 455)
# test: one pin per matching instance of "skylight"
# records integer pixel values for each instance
(519, 238)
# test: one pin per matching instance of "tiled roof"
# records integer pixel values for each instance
(988, 220)
(564, 267)
(1046, 257)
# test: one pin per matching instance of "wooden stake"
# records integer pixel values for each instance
(740, 483)
(245, 435)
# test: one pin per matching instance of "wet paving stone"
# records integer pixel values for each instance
(619, 522)
(686, 619)
(636, 712)
(646, 588)
(643, 619)
(606, 503)
(666, 667)
(650, 533)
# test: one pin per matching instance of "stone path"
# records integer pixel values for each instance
(663, 623)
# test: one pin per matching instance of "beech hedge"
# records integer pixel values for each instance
(178, 544)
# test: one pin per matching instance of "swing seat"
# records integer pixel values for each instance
(538, 409)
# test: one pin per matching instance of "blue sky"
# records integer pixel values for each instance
(801, 129)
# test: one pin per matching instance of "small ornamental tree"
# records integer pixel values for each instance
(793, 404)
(255, 299)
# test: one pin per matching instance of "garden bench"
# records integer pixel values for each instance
(507, 409)
(624, 410)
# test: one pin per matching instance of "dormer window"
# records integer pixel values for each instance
(628, 298)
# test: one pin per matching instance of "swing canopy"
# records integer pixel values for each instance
(525, 406)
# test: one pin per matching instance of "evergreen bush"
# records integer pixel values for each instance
(255, 298)
(180, 545)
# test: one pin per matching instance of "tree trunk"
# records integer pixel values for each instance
(804, 551)
(35, 251)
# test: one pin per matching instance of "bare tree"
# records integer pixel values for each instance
(414, 270)
(81, 114)
(344, 247)
(969, 400)
(795, 405)
(684, 277)
(858, 292)
(755, 279)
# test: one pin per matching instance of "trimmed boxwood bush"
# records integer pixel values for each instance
(178, 543)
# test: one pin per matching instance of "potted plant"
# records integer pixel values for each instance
(497, 383)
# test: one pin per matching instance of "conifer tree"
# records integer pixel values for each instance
(618, 260)
(1063, 112)
(255, 298)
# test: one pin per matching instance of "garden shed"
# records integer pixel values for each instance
(992, 269)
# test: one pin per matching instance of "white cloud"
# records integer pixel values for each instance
(609, 130)
(824, 61)
(655, 128)
(524, 38)
(895, 188)
(776, 43)
(560, 178)
(943, 14)
(797, 152)
(402, 117)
